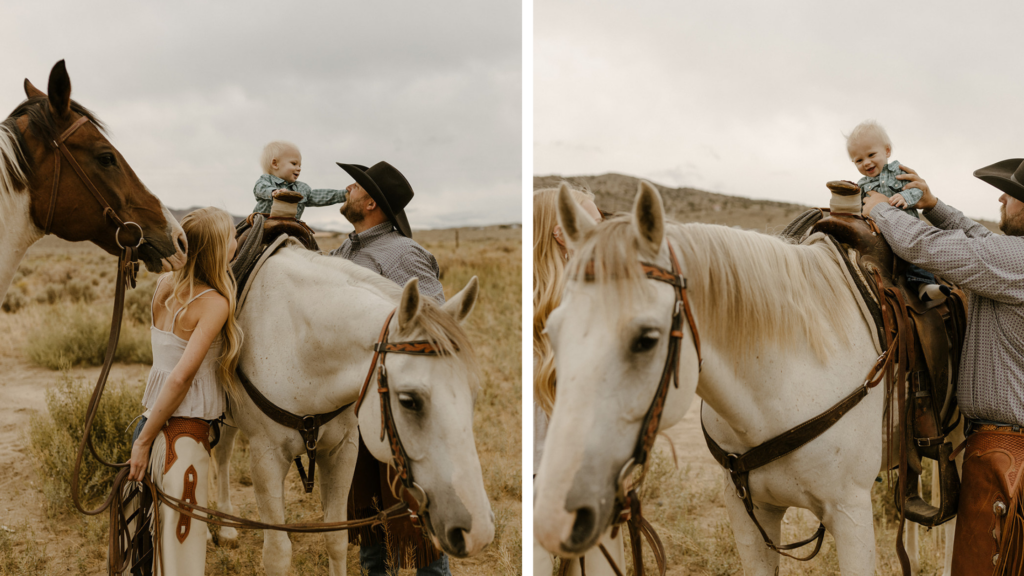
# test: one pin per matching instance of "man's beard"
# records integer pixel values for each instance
(1012, 225)
(353, 213)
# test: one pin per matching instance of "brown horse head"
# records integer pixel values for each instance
(61, 201)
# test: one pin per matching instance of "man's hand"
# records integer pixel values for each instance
(898, 201)
(873, 199)
(928, 200)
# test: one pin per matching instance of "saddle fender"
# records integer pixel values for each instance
(934, 357)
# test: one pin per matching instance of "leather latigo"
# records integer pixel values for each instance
(988, 527)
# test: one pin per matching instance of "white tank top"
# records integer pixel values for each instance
(205, 397)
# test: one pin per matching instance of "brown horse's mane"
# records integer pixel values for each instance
(42, 123)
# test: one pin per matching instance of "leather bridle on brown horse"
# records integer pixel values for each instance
(61, 149)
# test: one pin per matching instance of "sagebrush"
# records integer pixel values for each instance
(77, 334)
(56, 434)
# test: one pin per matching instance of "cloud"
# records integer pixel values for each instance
(756, 96)
(191, 91)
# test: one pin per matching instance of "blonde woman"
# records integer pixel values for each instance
(195, 351)
(550, 255)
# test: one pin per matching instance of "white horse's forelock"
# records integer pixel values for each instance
(740, 283)
(440, 328)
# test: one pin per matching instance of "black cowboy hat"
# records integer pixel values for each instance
(388, 188)
(1007, 175)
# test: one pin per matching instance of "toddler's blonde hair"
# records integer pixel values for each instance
(868, 128)
(273, 151)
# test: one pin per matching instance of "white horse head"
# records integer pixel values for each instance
(610, 349)
(770, 316)
(310, 324)
(432, 401)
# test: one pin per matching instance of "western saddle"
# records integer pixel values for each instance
(933, 341)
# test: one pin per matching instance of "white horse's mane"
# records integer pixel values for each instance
(440, 328)
(12, 176)
(748, 289)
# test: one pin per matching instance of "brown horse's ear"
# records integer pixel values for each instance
(409, 304)
(59, 90)
(31, 91)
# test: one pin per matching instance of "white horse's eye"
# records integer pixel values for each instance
(646, 341)
(410, 402)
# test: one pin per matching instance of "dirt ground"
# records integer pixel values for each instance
(22, 394)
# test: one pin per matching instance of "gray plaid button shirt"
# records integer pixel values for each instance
(990, 269)
(264, 192)
(385, 251)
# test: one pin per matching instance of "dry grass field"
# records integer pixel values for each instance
(685, 499)
(63, 293)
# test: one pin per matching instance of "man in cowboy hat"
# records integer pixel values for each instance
(990, 268)
(382, 241)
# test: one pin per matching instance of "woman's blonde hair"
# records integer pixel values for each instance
(208, 231)
(548, 283)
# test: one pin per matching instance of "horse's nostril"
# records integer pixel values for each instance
(181, 244)
(583, 526)
(457, 540)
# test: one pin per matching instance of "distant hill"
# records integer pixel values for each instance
(615, 193)
(179, 214)
(479, 232)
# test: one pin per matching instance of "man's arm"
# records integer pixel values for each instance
(423, 265)
(948, 218)
(990, 265)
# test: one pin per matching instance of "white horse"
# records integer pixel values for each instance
(310, 323)
(29, 183)
(782, 341)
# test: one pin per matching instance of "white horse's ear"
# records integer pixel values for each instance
(573, 219)
(31, 91)
(460, 305)
(649, 218)
(409, 304)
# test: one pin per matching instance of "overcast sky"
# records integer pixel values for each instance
(191, 91)
(752, 98)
